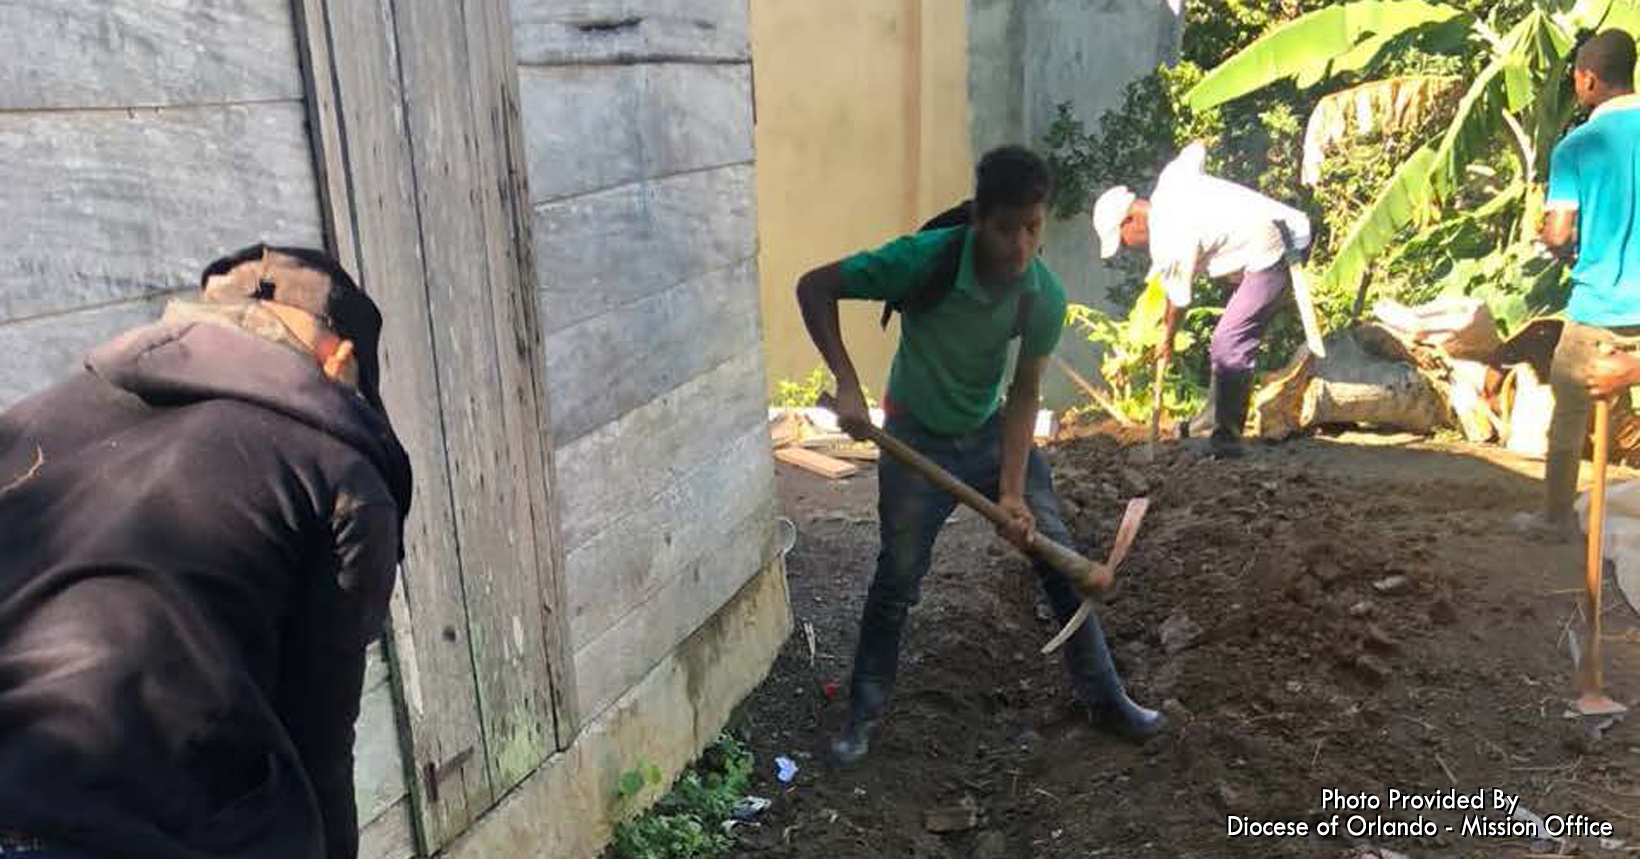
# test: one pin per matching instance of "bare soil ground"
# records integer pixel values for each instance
(1353, 614)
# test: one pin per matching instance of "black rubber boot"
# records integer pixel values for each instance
(1201, 425)
(1121, 717)
(1235, 392)
(871, 686)
(1094, 681)
(848, 747)
(868, 701)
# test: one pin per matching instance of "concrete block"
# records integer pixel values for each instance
(590, 128)
(62, 55)
(620, 568)
(697, 116)
(611, 364)
(580, 132)
(606, 473)
(112, 205)
(597, 252)
(618, 658)
(563, 32)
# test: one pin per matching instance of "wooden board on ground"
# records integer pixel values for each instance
(817, 463)
(821, 441)
(782, 433)
(863, 452)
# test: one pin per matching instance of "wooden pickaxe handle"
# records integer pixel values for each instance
(1156, 407)
(1088, 577)
(1592, 697)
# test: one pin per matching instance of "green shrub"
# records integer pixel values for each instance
(687, 822)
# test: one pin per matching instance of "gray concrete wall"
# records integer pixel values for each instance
(638, 128)
(1026, 57)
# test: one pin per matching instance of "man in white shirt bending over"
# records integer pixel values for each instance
(1196, 222)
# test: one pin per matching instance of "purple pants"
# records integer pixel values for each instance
(1235, 341)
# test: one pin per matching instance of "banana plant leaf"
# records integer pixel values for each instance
(1404, 199)
(1316, 38)
(1384, 107)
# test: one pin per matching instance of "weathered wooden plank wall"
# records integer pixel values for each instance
(638, 127)
(137, 142)
(418, 134)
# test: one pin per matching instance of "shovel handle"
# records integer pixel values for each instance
(1156, 402)
(1591, 681)
(1088, 577)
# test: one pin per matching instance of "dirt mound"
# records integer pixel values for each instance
(1316, 616)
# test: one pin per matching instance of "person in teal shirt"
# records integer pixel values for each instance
(1591, 219)
(965, 293)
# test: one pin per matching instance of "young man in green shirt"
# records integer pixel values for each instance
(945, 399)
(1593, 218)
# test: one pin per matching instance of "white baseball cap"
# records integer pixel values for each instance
(1109, 212)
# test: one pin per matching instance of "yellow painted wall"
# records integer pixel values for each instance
(862, 134)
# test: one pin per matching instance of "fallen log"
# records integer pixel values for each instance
(1278, 405)
(1396, 398)
(1370, 378)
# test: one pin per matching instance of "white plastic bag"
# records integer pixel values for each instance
(1622, 534)
(1460, 327)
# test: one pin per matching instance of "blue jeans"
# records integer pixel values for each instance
(911, 512)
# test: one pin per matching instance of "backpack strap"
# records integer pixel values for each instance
(933, 289)
(942, 278)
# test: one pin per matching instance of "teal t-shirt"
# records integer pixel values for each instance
(948, 371)
(1596, 170)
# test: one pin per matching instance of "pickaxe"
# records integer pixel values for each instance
(1090, 579)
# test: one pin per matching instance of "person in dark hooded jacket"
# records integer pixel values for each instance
(198, 537)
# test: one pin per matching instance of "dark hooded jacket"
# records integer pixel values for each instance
(198, 538)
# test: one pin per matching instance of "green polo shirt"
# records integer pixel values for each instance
(948, 370)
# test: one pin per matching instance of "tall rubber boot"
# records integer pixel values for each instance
(871, 685)
(1094, 681)
(1230, 414)
(1201, 425)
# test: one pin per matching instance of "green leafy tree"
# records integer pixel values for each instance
(687, 822)
(1515, 106)
(1129, 348)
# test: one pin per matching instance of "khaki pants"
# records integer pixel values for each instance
(1570, 427)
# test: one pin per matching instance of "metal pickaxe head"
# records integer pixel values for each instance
(1125, 533)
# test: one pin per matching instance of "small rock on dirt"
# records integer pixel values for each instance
(1443, 613)
(1362, 609)
(1391, 584)
(1178, 631)
(1378, 639)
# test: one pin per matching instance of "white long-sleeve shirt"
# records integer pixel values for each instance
(1202, 223)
